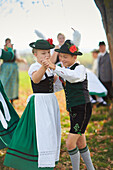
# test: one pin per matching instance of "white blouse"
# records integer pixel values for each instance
(35, 66)
(73, 76)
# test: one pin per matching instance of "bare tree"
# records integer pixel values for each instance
(106, 9)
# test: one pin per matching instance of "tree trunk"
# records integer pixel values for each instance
(106, 10)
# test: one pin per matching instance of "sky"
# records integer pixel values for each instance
(18, 22)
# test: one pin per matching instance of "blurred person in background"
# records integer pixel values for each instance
(10, 74)
(8, 116)
(55, 55)
(105, 72)
(97, 91)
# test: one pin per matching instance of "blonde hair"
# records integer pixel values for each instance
(60, 34)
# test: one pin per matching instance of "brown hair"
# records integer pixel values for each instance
(34, 50)
(7, 39)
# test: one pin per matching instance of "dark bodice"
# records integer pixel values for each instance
(11, 61)
(44, 86)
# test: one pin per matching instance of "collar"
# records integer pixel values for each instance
(74, 63)
(102, 54)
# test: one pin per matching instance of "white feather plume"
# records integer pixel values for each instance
(76, 38)
(39, 34)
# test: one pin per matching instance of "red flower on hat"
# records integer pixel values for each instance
(73, 48)
(50, 41)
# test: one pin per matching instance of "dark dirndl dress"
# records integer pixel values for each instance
(8, 119)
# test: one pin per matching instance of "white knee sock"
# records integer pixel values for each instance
(75, 158)
(85, 153)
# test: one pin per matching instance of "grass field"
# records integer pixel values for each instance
(99, 131)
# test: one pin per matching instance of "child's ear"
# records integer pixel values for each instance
(75, 57)
(35, 54)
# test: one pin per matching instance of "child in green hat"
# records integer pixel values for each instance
(36, 142)
(8, 116)
(74, 81)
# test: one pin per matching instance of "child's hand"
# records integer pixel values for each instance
(51, 65)
(45, 63)
(10, 45)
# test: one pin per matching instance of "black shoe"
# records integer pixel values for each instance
(103, 104)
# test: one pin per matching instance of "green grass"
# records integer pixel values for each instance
(24, 82)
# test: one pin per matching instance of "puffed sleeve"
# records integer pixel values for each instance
(34, 67)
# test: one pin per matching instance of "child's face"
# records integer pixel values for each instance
(67, 59)
(42, 54)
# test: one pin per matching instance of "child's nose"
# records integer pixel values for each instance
(47, 56)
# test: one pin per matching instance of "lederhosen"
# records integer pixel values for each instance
(78, 104)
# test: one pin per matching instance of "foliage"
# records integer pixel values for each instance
(99, 131)
(86, 59)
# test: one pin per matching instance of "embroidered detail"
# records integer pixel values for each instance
(62, 81)
(79, 134)
(76, 127)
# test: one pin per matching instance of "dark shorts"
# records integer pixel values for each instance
(79, 118)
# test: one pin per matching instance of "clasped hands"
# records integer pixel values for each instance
(9, 45)
(48, 64)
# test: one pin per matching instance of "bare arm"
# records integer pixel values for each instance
(55, 78)
(37, 75)
(54, 56)
(21, 60)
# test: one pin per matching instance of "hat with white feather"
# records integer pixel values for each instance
(69, 48)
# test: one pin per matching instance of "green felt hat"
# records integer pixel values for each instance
(69, 48)
(42, 44)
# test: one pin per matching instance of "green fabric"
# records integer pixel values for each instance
(73, 151)
(7, 55)
(6, 134)
(84, 149)
(42, 45)
(98, 94)
(2, 144)
(9, 77)
(76, 93)
(22, 153)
